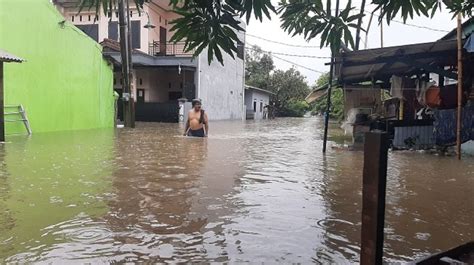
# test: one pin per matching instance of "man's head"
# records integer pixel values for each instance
(196, 104)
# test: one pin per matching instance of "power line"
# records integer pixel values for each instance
(407, 24)
(282, 43)
(299, 65)
(288, 61)
(288, 54)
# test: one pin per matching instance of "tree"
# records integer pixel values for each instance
(258, 67)
(337, 100)
(290, 90)
(213, 23)
(322, 80)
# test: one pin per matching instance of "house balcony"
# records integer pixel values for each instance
(157, 48)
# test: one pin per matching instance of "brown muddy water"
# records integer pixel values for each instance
(252, 192)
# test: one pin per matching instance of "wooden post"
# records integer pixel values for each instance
(401, 109)
(2, 114)
(328, 106)
(373, 197)
(459, 114)
(124, 53)
(328, 94)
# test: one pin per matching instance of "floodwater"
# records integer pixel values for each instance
(252, 192)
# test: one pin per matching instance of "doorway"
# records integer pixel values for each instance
(163, 40)
(140, 95)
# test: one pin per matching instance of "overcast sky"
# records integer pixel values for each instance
(395, 34)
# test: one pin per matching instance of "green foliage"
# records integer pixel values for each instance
(337, 100)
(258, 67)
(289, 87)
(313, 18)
(213, 24)
(322, 80)
(294, 108)
(337, 105)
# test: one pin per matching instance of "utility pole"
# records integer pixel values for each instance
(328, 94)
(125, 56)
(459, 114)
(130, 67)
(367, 31)
(359, 25)
(381, 32)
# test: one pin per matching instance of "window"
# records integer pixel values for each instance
(89, 17)
(261, 106)
(113, 30)
(255, 106)
(175, 95)
(136, 30)
(92, 30)
(240, 50)
(72, 18)
(141, 81)
(80, 18)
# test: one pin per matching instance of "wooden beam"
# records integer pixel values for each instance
(459, 116)
(373, 197)
(428, 68)
(351, 61)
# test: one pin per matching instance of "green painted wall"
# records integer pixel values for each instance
(65, 84)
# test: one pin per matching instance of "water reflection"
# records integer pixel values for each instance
(252, 192)
(45, 181)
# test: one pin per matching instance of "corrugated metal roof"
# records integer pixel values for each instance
(8, 57)
(259, 89)
(381, 63)
(317, 93)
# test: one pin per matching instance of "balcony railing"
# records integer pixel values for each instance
(157, 48)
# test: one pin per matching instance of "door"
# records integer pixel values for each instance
(163, 40)
(140, 95)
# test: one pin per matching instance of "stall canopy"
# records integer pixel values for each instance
(380, 64)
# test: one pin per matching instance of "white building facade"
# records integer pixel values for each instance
(257, 101)
(162, 71)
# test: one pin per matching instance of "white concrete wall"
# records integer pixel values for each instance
(262, 99)
(221, 88)
(87, 17)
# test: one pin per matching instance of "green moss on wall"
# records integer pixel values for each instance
(65, 84)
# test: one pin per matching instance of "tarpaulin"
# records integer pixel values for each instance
(445, 125)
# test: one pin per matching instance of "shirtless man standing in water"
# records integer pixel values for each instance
(197, 124)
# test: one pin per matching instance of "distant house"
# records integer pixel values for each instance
(65, 83)
(257, 103)
(162, 71)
